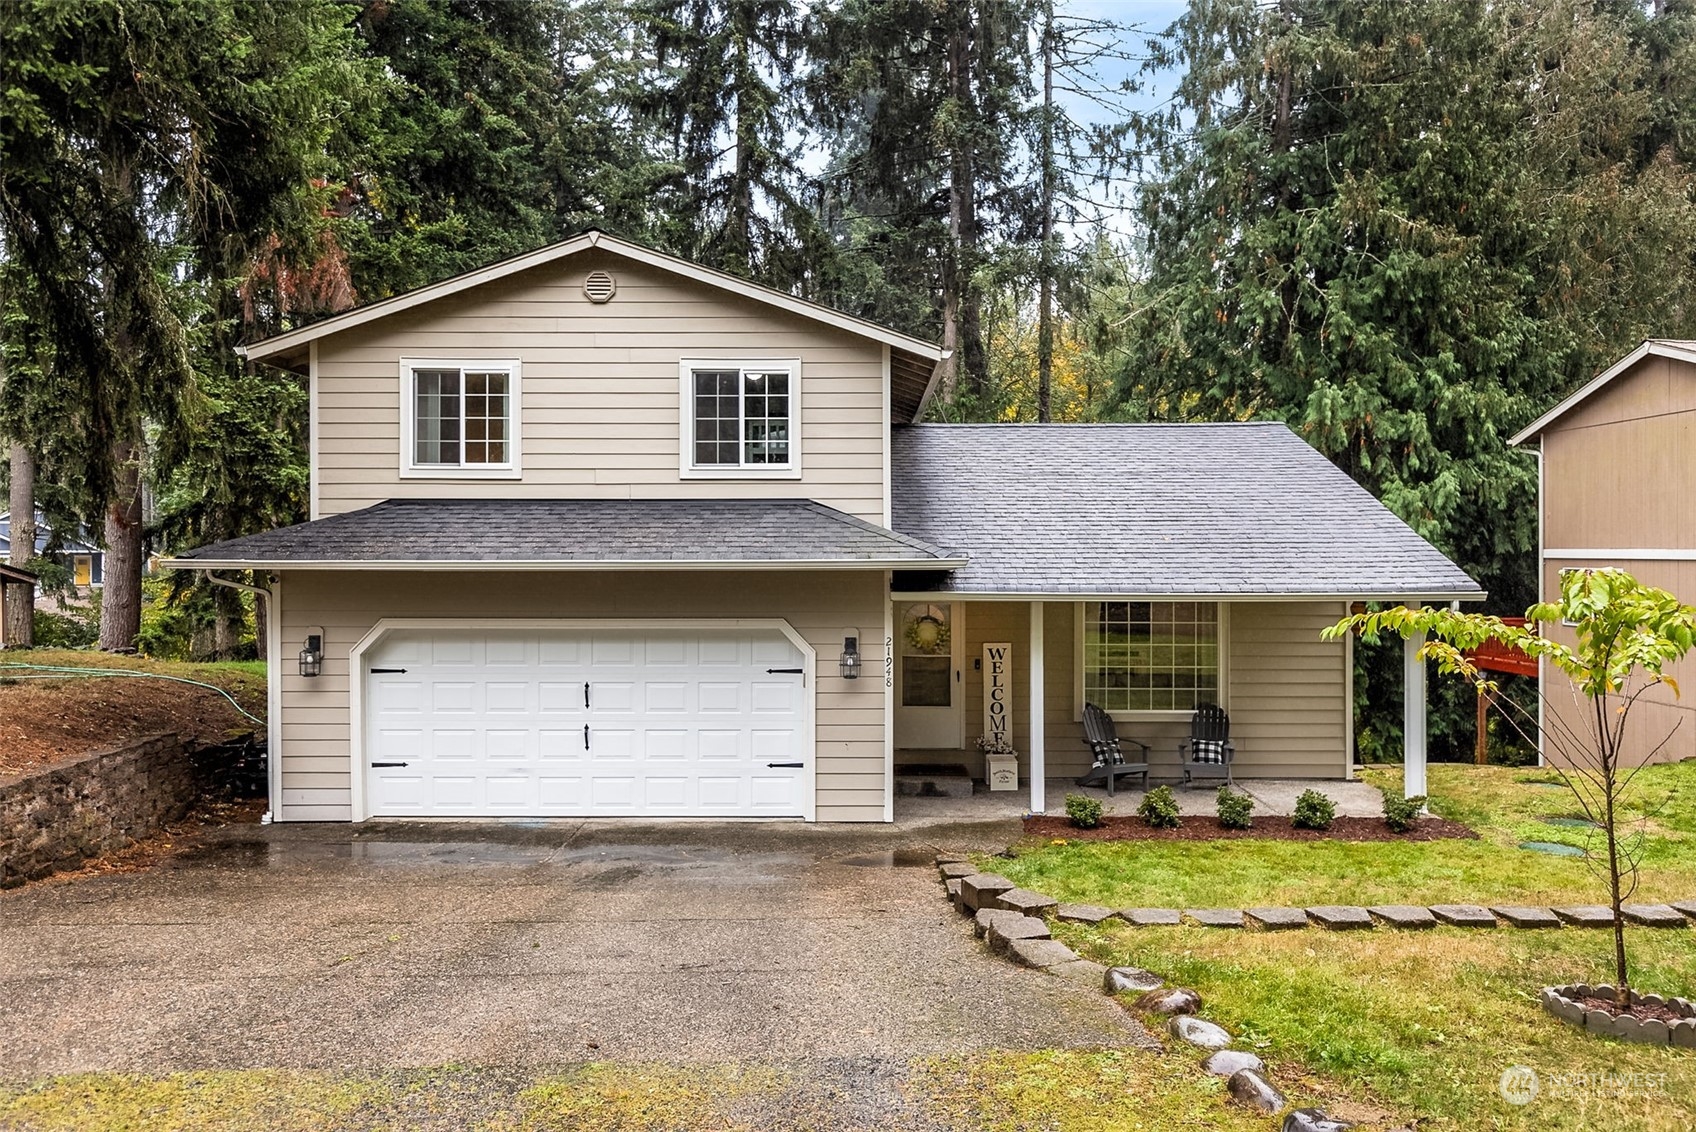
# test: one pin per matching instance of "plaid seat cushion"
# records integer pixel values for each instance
(1207, 750)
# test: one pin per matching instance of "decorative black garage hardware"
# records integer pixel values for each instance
(388, 764)
(585, 693)
(585, 736)
(796, 766)
(796, 671)
(375, 671)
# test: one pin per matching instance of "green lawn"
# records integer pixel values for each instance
(1503, 805)
(1421, 1024)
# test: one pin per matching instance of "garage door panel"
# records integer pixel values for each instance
(680, 722)
(669, 696)
(719, 696)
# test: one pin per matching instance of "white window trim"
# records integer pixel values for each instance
(686, 466)
(1149, 716)
(511, 470)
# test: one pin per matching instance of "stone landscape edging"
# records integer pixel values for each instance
(1563, 1003)
(1011, 932)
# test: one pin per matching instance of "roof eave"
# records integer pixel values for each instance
(1396, 595)
(290, 341)
(1588, 389)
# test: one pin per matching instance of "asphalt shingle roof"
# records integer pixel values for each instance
(576, 530)
(1157, 510)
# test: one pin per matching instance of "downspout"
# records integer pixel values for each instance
(273, 684)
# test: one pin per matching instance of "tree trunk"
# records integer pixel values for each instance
(120, 598)
(20, 611)
(1045, 260)
(962, 306)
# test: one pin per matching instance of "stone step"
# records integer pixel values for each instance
(1199, 1032)
(1215, 917)
(953, 870)
(1276, 919)
(1026, 902)
(1464, 915)
(1005, 929)
(981, 889)
(1411, 916)
(1082, 913)
(1586, 915)
(1340, 917)
(1149, 917)
(1653, 915)
(1526, 917)
(1687, 907)
(1040, 953)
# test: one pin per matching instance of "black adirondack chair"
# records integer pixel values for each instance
(1208, 752)
(1109, 760)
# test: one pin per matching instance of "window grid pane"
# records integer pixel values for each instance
(437, 416)
(486, 400)
(765, 418)
(718, 419)
(1151, 656)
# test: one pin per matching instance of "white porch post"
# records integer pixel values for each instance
(1039, 764)
(1413, 717)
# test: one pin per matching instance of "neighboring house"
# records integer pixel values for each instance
(1617, 473)
(596, 531)
(85, 561)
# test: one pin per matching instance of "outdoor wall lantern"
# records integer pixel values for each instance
(312, 656)
(850, 663)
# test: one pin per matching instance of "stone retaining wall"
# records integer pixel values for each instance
(56, 818)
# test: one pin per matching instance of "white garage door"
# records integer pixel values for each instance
(585, 722)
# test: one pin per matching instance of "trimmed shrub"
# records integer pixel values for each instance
(1401, 813)
(1084, 811)
(1159, 808)
(1234, 809)
(1314, 811)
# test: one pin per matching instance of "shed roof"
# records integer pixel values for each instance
(1154, 510)
(575, 534)
(1680, 349)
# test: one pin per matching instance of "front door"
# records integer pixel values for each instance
(927, 676)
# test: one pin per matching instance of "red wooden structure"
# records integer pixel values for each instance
(1493, 656)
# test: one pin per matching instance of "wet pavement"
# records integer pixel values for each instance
(396, 946)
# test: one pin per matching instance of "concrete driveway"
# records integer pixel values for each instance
(398, 946)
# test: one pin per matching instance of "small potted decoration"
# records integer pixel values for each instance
(1000, 762)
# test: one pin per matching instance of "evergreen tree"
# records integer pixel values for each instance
(1352, 229)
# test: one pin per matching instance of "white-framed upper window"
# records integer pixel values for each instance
(740, 418)
(1151, 657)
(459, 417)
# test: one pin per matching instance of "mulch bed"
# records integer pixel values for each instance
(1643, 1010)
(1264, 829)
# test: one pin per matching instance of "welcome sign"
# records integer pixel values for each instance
(998, 692)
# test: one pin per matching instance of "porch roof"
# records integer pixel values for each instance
(576, 534)
(1153, 510)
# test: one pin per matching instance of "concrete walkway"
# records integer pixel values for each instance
(1271, 796)
(394, 946)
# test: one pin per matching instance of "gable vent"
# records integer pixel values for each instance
(599, 287)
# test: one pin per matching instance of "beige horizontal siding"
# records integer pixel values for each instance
(1286, 692)
(1661, 719)
(315, 755)
(600, 412)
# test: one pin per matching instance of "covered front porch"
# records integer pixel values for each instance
(969, 667)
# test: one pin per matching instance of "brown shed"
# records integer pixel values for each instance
(1617, 469)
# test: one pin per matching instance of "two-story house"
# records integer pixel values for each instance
(599, 532)
(1617, 487)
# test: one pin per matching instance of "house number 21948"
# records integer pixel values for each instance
(889, 662)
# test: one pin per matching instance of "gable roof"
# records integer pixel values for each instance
(1679, 349)
(576, 534)
(70, 544)
(913, 361)
(1154, 510)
